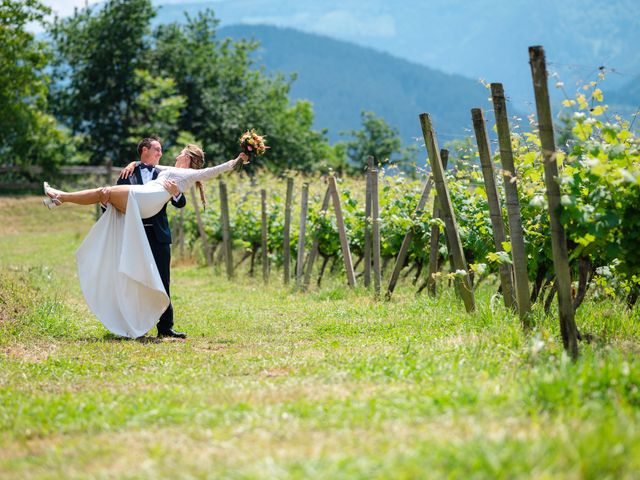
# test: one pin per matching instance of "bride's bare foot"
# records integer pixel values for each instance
(53, 196)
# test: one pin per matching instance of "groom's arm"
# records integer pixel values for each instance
(179, 201)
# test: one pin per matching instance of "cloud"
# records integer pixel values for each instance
(63, 8)
(297, 20)
(336, 23)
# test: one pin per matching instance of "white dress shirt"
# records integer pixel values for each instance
(147, 175)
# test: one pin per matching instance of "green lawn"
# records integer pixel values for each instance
(276, 384)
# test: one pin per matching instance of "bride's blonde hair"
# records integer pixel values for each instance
(196, 155)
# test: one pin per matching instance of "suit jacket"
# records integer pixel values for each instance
(159, 221)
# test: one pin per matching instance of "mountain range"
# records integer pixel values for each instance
(475, 38)
(399, 58)
(343, 79)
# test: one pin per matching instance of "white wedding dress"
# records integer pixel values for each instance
(118, 275)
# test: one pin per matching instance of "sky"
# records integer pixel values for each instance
(64, 8)
(451, 39)
(331, 23)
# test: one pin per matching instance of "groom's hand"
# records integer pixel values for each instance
(171, 187)
(104, 194)
(128, 170)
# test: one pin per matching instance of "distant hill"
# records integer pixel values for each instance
(342, 79)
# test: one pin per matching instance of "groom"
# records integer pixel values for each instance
(157, 227)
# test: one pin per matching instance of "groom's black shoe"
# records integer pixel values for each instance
(171, 333)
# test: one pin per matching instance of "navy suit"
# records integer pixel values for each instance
(159, 236)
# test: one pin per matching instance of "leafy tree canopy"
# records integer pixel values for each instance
(98, 52)
(378, 139)
(28, 135)
(226, 94)
(118, 81)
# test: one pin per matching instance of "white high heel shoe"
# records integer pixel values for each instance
(52, 200)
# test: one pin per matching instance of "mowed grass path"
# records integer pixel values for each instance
(276, 384)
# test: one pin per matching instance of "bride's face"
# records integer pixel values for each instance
(183, 160)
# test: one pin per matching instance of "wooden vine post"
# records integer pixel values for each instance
(206, 248)
(448, 214)
(516, 232)
(344, 242)
(286, 242)
(264, 239)
(495, 209)
(375, 224)
(226, 229)
(558, 238)
(304, 203)
(367, 224)
(434, 252)
(406, 242)
(314, 245)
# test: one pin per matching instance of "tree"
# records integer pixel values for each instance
(379, 139)
(99, 52)
(157, 108)
(225, 95)
(28, 134)
(116, 82)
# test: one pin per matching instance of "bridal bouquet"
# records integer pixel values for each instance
(252, 145)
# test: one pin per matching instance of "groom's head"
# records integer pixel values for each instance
(150, 150)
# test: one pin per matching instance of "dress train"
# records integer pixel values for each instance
(118, 275)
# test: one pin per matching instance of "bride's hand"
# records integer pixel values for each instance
(239, 161)
(171, 187)
(128, 170)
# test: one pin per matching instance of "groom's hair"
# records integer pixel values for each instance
(146, 142)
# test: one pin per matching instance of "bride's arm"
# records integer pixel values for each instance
(210, 172)
(207, 173)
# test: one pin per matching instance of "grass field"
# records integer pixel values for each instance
(276, 384)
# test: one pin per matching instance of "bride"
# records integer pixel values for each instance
(118, 274)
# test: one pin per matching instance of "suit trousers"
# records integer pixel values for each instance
(162, 255)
